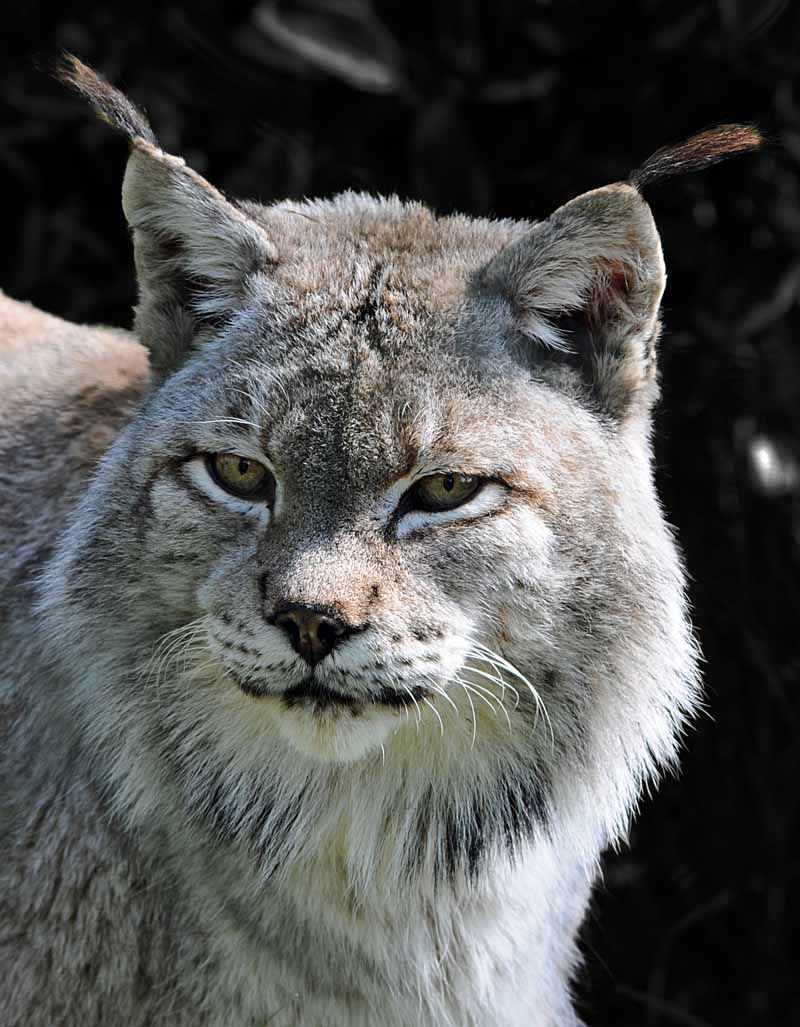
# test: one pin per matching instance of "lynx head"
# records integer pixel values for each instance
(384, 528)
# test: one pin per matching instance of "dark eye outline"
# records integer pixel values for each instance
(265, 493)
(412, 500)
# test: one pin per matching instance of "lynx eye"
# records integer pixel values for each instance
(241, 476)
(444, 491)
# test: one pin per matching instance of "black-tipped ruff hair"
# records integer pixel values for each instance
(110, 104)
(699, 151)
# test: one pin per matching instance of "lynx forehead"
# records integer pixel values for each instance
(334, 678)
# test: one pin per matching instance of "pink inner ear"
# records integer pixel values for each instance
(615, 295)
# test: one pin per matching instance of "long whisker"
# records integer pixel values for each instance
(472, 707)
(489, 698)
(443, 693)
(163, 653)
(183, 653)
(190, 626)
(176, 646)
(486, 656)
(252, 399)
(494, 699)
(226, 420)
(412, 697)
(198, 668)
(169, 648)
(395, 681)
(163, 642)
(274, 381)
(499, 676)
(498, 680)
(507, 665)
(436, 714)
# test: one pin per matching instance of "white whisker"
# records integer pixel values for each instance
(486, 656)
(508, 666)
(494, 698)
(436, 714)
(416, 704)
(440, 690)
(165, 639)
(481, 693)
(497, 680)
(166, 646)
(226, 420)
(472, 707)
(169, 648)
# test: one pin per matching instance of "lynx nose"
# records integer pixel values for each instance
(312, 632)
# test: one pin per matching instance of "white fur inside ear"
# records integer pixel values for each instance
(597, 258)
(546, 334)
(197, 254)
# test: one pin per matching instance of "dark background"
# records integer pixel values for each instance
(510, 108)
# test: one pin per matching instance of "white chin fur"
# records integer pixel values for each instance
(334, 735)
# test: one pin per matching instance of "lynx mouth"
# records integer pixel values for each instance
(312, 693)
(322, 697)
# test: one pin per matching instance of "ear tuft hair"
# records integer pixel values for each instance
(109, 103)
(698, 152)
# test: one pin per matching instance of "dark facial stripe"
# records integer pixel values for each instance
(472, 826)
(466, 825)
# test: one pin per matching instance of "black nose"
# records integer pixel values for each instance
(312, 632)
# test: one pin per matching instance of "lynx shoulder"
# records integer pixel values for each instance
(66, 390)
(343, 631)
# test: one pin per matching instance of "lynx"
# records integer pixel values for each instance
(342, 626)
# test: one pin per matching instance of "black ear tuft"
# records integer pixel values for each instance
(109, 103)
(699, 151)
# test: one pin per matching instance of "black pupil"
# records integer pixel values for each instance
(244, 466)
(448, 483)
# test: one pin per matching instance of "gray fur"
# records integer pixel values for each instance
(180, 844)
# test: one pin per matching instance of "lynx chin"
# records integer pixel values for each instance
(342, 627)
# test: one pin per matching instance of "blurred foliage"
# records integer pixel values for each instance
(510, 108)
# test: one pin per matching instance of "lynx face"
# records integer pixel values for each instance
(405, 529)
(380, 551)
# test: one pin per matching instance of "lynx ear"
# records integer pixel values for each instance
(585, 288)
(585, 285)
(197, 254)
